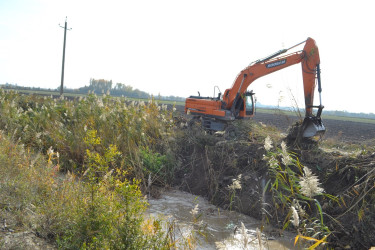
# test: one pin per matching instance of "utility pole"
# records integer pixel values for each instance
(63, 59)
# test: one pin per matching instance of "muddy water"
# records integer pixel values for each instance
(214, 228)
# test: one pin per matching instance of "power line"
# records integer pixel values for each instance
(63, 59)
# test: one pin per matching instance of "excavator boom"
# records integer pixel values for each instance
(233, 104)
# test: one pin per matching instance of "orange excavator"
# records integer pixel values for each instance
(238, 103)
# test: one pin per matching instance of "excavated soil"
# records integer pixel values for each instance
(209, 164)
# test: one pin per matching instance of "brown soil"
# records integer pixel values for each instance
(345, 131)
(210, 163)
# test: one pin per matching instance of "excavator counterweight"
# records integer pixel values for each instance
(238, 103)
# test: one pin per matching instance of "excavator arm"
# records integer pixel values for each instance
(309, 59)
(232, 104)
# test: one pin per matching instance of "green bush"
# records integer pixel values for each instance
(155, 164)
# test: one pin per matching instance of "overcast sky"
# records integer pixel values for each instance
(181, 47)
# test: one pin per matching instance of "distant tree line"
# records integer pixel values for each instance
(349, 114)
(102, 86)
(99, 87)
(16, 87)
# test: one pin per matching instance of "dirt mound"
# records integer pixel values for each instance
(210, 163)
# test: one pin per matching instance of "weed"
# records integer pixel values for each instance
(293, 188)
(236, 184)
(156, 164)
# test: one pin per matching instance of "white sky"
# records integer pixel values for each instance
(181, 47)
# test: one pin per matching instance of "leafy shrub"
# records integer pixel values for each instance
(155, 164)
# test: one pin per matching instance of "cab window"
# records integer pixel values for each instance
(249, 105)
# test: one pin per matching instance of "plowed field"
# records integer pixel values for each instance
(346, 131)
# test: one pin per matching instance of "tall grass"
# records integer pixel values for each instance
(295, 191)
(140, 131)
(106, 147)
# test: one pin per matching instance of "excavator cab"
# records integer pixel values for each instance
(250, 104)
(244, 107)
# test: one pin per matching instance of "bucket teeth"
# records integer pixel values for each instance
(313, 126)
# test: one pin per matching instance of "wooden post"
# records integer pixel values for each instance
(63, 59)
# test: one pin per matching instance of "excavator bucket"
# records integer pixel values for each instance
(312, 126)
